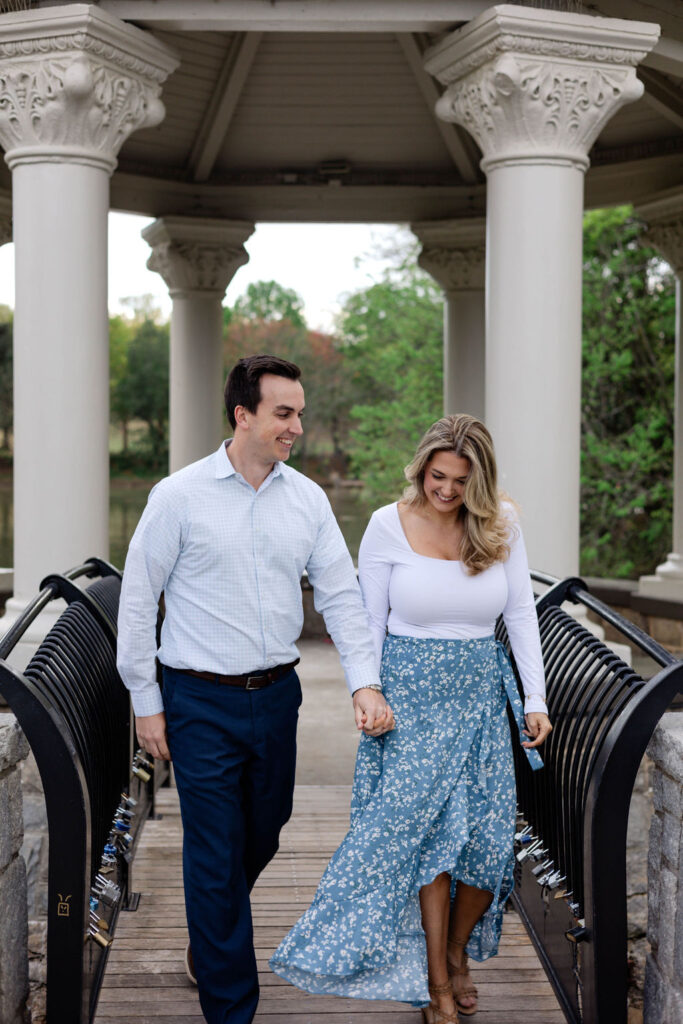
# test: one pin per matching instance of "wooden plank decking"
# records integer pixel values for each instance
(145, 981)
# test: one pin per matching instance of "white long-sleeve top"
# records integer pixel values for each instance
(420, 596)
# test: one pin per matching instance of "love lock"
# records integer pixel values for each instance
(541, 869)
(106, 890)
(523, 854)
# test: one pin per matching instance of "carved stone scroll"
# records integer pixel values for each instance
(74, 86)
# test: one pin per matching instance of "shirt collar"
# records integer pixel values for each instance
(223, 467)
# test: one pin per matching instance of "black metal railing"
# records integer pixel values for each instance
(571, 840)
(75, 713)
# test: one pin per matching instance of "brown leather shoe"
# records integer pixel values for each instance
(189, 965)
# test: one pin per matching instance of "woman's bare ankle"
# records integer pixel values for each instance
(455, 953)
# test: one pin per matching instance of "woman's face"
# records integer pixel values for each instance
(444, 481)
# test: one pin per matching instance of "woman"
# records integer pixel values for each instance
(426, 867)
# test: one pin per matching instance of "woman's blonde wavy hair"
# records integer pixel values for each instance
(486, 530)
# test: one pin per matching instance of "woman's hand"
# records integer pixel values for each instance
(373, 714)
(538, 727)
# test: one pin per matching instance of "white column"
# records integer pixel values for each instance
(453, 253)
(535, 88)
(197, 258)
(74, 84)
(664, 218)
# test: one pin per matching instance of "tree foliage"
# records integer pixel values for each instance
(121, 333)
(138, 382)
(269, 302)
(261, 322)
(6, 375)
(392, 342)
(627, 400)
(147, 382)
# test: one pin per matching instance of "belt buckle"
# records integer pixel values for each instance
(256, 679)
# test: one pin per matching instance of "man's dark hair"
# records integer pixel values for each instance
(243, 386)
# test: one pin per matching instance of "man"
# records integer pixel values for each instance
(227, 540)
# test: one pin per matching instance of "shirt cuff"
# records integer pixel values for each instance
(147, 701)
(535, 702)
(358, 676)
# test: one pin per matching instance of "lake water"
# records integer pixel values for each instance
(128, 499)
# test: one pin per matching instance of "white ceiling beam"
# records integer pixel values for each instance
(457, 146)
(295, 15)
(667, 56)
(221, 108)
(662, 95)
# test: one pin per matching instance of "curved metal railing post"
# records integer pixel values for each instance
(604, 715)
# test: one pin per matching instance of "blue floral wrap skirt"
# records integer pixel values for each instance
(437, 794)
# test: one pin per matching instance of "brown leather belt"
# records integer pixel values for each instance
(248, 681)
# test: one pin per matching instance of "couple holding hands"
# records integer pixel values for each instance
(420, 881)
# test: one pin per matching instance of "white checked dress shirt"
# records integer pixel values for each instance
(229, 560)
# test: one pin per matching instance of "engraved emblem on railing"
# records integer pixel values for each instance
(63, 906)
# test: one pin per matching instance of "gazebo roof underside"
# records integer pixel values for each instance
(320, 111)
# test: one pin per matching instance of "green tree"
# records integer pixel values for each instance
(6, 371)
(121, 331)
(6, 376)
(267, 301)
(147, 383)
(627, 400)
(392, 338)
(269, 319)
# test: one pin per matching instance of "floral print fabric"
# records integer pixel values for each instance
(437, 794)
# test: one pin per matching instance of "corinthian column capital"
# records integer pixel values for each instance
(664, 218)
(453, 252)
(538, 86)
(197, 255)
(75, 82)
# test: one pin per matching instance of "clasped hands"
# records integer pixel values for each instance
(373, 714)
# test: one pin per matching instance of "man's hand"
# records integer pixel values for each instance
(151, 730)
(373, 714)
(538, 727)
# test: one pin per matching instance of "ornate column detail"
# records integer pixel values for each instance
(75, 82)
(538, 85)
(197, 258)
(664, 218)
(197, 255)
(453, 252)
(535, 87)
(666, 235)
(5, 220)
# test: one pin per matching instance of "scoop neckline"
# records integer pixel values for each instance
(418, 554)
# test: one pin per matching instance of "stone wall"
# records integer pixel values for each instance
(13, 930)
(34, 850)
(640, 816)
(664, 972)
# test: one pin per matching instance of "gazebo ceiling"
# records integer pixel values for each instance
(321, 111)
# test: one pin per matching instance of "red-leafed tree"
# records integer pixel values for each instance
(269, 318)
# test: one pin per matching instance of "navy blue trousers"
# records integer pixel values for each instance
(234, 754)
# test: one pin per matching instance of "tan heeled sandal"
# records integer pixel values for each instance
(460, 991)
(433, 1014)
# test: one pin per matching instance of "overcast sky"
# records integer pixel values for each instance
(322, 262)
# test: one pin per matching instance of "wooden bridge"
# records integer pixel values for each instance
(145, 980)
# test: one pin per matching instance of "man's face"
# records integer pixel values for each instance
(276, 424)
